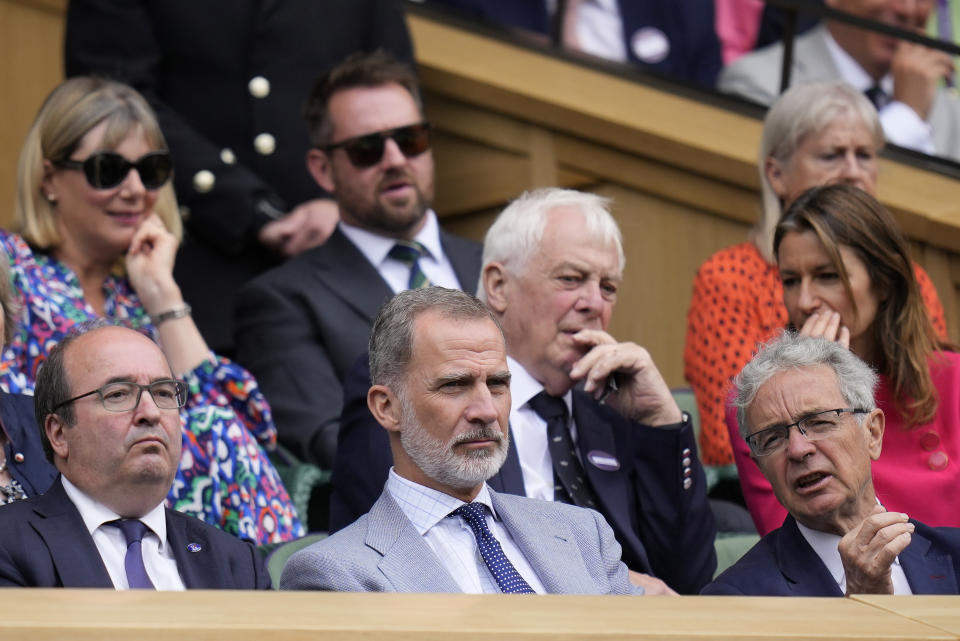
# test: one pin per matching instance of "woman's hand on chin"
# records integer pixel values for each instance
(826, 324)
(149, 263)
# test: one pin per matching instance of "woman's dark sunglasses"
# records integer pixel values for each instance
(367, 150)
(107, 169)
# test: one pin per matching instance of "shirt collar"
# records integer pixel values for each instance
(94, 513)
(524, 387)
(851, 71)
(376, 247)
(424, 506)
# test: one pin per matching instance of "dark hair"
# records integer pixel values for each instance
(903, 335)
(52, 387)
(391, 337)
(357, 70)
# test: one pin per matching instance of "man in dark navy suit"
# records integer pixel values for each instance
(552, 265)
(837, 538)
(108, 409)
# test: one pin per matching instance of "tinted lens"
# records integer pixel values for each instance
(366, 150)
(106, 169)
(412, 140)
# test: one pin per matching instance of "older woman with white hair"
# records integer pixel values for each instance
(815, 134)
(99, 230)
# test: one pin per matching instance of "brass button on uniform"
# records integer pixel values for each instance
(227, 156)
(259, 87)
(204, 180)
(265, 144)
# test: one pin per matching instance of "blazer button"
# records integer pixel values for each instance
(687, 483)
(938, 461)
(259, 87)
(265, 144)
(685, 462)
(686, 452)
(930, 441)
(204, 180)
(18, 457)
(687, 472)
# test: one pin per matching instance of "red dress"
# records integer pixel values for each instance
(737, 303)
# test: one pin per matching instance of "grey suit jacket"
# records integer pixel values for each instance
(757, 76)
(301, 327)
(572, 550)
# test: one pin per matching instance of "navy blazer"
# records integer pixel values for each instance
(45, 544)
(26, 461)
(784, 564)
(665, 529)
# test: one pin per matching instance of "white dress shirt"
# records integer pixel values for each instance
(157, 556)
(901, 124)
(453, 541)
(530, 433)
(396, 273)
(825, 545)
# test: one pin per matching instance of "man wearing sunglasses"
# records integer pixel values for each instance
(301, 326)
(108, 407)
(806, 409)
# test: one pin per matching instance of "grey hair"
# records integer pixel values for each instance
(391, 338)
(52, 387)
(801, 111)
(856, 379)
(516, 233)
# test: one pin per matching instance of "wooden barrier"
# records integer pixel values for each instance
(105, 615)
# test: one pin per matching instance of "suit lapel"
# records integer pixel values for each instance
(346, 272)
(509, 478)
(195, 556)
(805, 573)
(547, 544)
(408, 563)
(74, 554)
(928, 571)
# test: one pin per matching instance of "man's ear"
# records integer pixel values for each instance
(385, 407)
(495, 281)
(875, 423)
(318, 164)
(54, 428)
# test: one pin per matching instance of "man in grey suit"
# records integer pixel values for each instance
(441, 388)
(901, 78)
(301, 326)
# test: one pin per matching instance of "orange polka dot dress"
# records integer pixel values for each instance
(737, 303)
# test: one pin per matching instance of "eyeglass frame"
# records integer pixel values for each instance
(751, 438)
(181, 388)
(383, 135)
(81, 166)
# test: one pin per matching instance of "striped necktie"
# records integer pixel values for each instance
(409, 252)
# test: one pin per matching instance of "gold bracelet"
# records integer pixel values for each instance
(170, 314)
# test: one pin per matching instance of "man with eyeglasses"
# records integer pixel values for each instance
(108, 408)
(806, 409)
(301, 326)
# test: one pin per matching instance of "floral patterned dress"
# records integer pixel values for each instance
(225, 477)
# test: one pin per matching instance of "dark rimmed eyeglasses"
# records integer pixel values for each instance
(813, 427)
(367, 150)
(107, 169)
(123, 396)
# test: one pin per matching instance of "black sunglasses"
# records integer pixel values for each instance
(107, 169)
(367, 150)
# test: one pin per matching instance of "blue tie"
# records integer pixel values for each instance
(409, 252)
(133, 531)
(506, 576)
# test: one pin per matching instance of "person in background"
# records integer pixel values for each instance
(841, 536)
(815, 134)
(98, 234)
(228, 80)
(108, 404)
(847, 276)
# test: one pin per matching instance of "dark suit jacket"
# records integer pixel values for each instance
(664, 529)
(784, 564)
(193, 61)
(302, 325)
(26, 461)
(45, 544)
(694, 49)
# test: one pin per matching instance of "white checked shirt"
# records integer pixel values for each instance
(452, 540)
(396, 273)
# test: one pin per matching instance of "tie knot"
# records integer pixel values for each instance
(133, 529)
(407, 252)
(549, 407)
(474, 514)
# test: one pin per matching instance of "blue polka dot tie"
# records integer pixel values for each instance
(503, 572)
(409, 252)
(133, 531)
